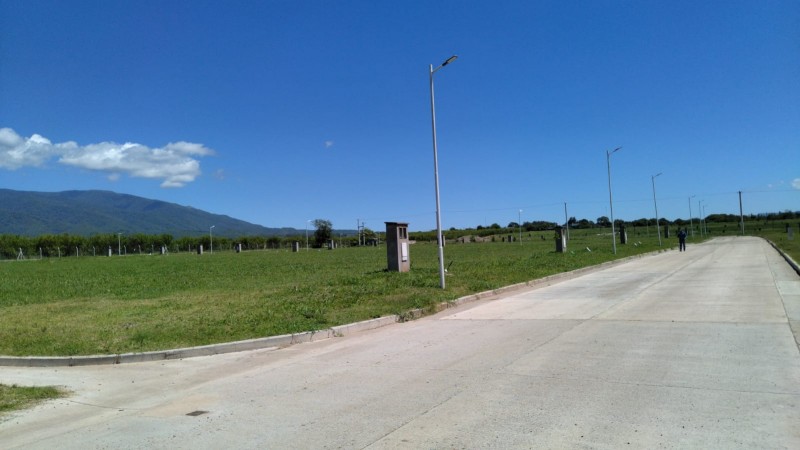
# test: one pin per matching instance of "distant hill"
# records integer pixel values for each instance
(86, 213)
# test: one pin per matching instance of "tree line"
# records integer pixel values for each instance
(66, 245)
(601, 222)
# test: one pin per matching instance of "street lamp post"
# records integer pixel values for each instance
(658, 227)
(519, 225)
(119, 243)
(211, 239)
(705, 222)
(611, 199)
(436, 173)
(307, 222)
(741, 213)
(691, 224)
(700, 211)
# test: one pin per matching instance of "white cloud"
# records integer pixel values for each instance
(16, 151)
(328, 144)
(796, 183)
(174, 163)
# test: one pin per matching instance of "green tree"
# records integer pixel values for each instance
(11, 244)
(369, 234)
(323, 233)
(274, 242)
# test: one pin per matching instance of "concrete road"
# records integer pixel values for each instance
(675, 350)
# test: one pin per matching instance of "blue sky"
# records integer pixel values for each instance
(278, 112)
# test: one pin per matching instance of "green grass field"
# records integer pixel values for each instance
(106, 305)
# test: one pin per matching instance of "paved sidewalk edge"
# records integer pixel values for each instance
(276, 342)
(794, 325)
(785, 256)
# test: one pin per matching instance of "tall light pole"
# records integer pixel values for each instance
(611, 199)
(566, 219)
(211, 239)
(436, 173)
(307, 222)
(519, 225)
(700, 211)
(705, 222)
(691, 224)
(741, 213)
(119, 243)
(658, 227)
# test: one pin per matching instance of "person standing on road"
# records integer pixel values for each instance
(682, 240)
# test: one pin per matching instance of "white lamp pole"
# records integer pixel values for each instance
(691, 224)
(705, 222)
(119, 243)
(436, 173)
(519, 225)
(211, 239)
(611, 199)
(700, 212)
(700, 219)
(658, 227)
(307, 222)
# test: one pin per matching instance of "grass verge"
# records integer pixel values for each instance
(15, 397)
(108, 305)
(782, 240)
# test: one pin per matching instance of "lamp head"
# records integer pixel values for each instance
(449, 60)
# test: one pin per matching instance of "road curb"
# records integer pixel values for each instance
(276, 342)
(271, 342)
(785, 256)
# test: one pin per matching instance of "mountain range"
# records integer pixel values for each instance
(86, 213)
